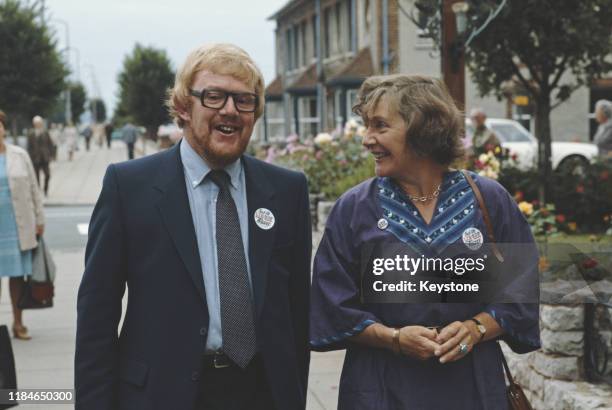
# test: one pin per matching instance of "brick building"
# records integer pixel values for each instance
(360, 38)
(355, 42)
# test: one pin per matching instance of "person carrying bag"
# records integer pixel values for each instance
(38, 289)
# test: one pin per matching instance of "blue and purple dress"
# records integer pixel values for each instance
(377, 212)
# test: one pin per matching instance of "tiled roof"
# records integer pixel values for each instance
(307, 82)
(356, 70)
(275, 88)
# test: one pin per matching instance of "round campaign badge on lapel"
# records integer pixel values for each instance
(264, 218)
(472, 238)
(382, 223)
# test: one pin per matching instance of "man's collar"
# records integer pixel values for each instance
(196, 167)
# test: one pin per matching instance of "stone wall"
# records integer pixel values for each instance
(553, 377)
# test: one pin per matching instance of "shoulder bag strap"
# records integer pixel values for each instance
(485, 214)
(506, 368)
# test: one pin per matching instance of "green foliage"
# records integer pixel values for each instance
(78, 96)
(548, 47)
(32, 73)
(333, 167)
(582, 198)
(143, 82)
(548, 38)
(544, 221)
(98, 109)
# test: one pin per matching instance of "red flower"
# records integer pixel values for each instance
(589, 263)
(514, 157)
(604, 175)
(580, 189)
(535, 202)
(560, 218)
(518, 196)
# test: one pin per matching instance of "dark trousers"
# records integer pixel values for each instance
(108, 140)
(130, 146)
(44, 167)
(233, 388)
(87, 143)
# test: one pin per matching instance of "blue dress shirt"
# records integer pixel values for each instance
(202, 195)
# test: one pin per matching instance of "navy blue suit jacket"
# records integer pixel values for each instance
(141, 235)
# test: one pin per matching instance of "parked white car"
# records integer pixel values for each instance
(521, 142)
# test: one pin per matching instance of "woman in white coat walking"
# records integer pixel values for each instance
(21, 220)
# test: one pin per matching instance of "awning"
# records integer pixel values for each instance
(274, 90)
(306, 84)
(355, 71)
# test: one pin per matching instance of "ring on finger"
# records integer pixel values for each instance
(463, 348)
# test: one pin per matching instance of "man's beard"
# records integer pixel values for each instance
(215, 156)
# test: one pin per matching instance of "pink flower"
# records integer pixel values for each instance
(271, 154)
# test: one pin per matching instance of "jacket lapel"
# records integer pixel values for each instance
(176, 214)
(260, 194)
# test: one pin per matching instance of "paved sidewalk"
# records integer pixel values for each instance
(79, 181)
(47, 360)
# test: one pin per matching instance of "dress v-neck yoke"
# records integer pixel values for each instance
(454, 211)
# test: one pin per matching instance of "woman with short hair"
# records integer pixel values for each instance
(422, 352)
(21, 220)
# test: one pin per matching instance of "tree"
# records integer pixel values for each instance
(98, 109)
(146, 76)
(78, 96)
(549, 47)
(31, 70)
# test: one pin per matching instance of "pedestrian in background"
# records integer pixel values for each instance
(21, 220)
(71, 136)
(130, 135)
(603, 136)
(55, 133)
(87, 133)
(108, 130)
(40, 148)
(483, 140)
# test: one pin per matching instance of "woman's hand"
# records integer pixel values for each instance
(451, 338)
(418, 342)
(40, 229)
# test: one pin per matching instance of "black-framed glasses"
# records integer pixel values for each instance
(216, 99)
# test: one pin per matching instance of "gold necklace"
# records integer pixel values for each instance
(426, 198)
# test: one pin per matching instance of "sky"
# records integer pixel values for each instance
(105, 31)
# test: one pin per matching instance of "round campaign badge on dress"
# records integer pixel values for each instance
(382, 223)
(472, 238)
(264, 218)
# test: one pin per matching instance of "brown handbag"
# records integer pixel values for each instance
(516, 397)
(37, 294)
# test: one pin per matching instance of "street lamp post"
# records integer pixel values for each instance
(68, 102)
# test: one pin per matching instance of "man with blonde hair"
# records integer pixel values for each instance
(215, 249)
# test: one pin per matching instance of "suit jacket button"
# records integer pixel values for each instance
(203, 331)
(195, 376)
